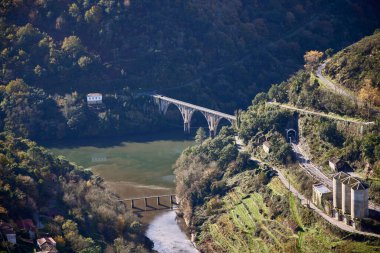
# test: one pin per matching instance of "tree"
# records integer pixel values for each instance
(74, 10)
(312, 59)
(93, 15)
(369, 95)
(329, 132)
(16, 86)
(200, 135)
(260, 98)
(84, 62)
(72, 45)
(329, 52)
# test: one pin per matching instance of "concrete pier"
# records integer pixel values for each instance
(144, 204)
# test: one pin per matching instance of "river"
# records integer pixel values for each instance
(136, 166)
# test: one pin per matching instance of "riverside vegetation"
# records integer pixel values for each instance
(76, 210)
(225, 52)
(234, 205)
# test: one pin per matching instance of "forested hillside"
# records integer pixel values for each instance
(223, 51)
(235, 205)
(32, 113)
(70, 205)
(357, 64)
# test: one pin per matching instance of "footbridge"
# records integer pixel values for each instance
(151, 203)
(213, 117)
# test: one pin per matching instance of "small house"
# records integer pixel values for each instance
(266, 147)
(7, 231)
(94, 98)
(28, 226)
(47, 244)
(321, 193)
(335, 164)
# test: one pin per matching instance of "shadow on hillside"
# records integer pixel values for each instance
(112, 141)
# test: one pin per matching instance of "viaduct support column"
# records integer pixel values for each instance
(163, 105)
(187, 113)
(212, 121)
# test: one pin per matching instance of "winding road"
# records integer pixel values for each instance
(332, 86)
(304, 201)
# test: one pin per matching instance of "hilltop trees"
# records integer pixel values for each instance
(143, 44)
(369, 95)
(312, 59)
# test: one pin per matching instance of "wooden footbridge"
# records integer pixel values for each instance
(151, 203)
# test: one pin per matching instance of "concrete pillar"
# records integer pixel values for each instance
(186, 113)
(359, 203)
(346, 196)
(212, 121)
(337, 193)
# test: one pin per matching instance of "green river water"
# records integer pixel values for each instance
(137, 166)
(143, 160)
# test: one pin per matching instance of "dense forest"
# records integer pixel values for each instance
(73, 206)
(218, 54)
(30, 112)
(223, 51)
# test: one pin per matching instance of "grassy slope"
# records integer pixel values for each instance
(245, 224)
(360, 61)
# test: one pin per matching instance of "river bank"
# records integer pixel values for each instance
(137, 167)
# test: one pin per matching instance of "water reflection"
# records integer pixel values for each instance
(167, 235)
(96, 158)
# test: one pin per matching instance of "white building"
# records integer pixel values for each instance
(320, 193)
(266, 147)
(94, 98)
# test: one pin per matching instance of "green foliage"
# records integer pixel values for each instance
(72, 45)
(178, 43)
(371, 147)
(278, 93)
(260, 98)
(32, 113)
(84, 62)
(93, 15)
(200, 136)
(329, 132)
(262, 118)
(356, 63)
(35, 182)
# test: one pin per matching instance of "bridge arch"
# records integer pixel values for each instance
(187, 110)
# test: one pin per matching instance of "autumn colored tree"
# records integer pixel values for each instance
(72, 45)
(93, 15)
(312, 59)
(369, 95)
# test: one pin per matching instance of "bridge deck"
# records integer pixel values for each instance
(196, 107)
(148, 197)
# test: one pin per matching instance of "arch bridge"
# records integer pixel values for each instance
(213, 117)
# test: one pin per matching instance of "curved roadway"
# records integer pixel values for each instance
(337, 89)
(304, 200)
